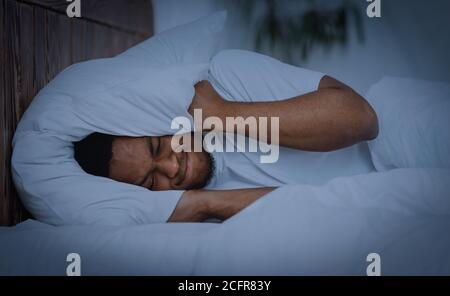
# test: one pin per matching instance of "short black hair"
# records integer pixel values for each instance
(93, 154)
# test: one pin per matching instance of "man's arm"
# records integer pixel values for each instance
(199, 205)
(332, 117)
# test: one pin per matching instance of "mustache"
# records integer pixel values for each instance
(182, 162)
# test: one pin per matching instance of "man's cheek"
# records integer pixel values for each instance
(167, 184)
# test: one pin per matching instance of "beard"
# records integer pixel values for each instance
(208, 176)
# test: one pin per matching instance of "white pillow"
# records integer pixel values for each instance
(136, 93)
(414, 118)
(195, 42)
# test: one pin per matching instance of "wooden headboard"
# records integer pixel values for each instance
(37, 41)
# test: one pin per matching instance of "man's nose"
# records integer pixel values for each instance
(168, 166)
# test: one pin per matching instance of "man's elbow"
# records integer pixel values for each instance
(363, 116)
(368, 123)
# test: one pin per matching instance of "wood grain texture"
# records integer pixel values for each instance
(39, 48)
(26, 64)
(38, 41)
(130, 16)
(4, 202)
(11, 209)
(57, 44)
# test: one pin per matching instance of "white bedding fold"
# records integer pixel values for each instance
(403, 215)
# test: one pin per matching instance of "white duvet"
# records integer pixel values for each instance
(403, 215)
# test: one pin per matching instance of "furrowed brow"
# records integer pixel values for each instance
(146, 176)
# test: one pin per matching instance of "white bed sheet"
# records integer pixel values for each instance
(403, 215)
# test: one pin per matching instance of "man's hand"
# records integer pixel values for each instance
(199, 205)
(207, 99)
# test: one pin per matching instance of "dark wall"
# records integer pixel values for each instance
(37, 41)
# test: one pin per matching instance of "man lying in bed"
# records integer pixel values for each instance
(318, 131)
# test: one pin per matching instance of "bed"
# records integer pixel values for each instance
(401, 214)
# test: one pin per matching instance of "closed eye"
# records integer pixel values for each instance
(145, 182)
(149, 177)
(152, 184)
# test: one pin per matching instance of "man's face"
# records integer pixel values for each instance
(150, 162)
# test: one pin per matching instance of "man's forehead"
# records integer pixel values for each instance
(129, 158)
(129, 144)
